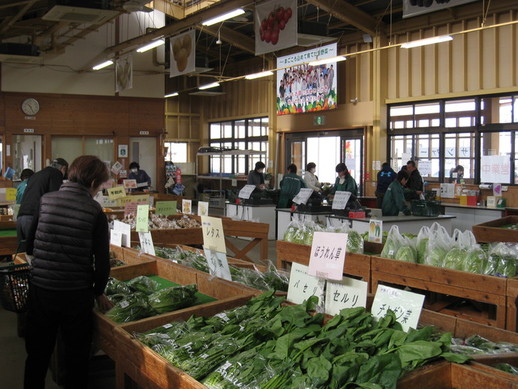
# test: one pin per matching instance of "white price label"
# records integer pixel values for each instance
(213, 236)
(340, 200)
(116, 238)
(218, 264)
(328, 255)
(246, 192)
(302, 285)
(303, 196)
(146, 243)
(348, 293)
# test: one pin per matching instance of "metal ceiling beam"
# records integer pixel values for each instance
(170, 29)
(348, 13)
(5, 26)
(236, 39)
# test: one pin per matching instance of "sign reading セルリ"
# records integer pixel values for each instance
(406, 305)
(328, 255)
(348, 293)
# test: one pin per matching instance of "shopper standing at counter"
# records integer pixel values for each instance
(385, 177)
(45, 181)
(344, 181)
(290, 186)
(414, 184)
(310, 178)
(70, 243)
(256, 176)
(394, 198)
(26, 174)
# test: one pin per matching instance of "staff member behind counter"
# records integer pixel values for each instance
(256, 176)
(394, 198)
(290, 187)
(344, 181)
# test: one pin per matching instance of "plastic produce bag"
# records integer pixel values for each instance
(439, 243)
(116, 287)
(502, 260)
(394, 242)
(143, 284)
(422, 243)
(354, 240)
(173, 298)
(132, 307)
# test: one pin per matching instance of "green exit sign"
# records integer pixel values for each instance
(319, 120)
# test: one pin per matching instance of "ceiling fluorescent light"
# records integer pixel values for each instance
(259, 75)
(208, 86)
(427, 41)
(152, 45)
(103, 65)
(223, 17)
(327, 60)
(171, 94)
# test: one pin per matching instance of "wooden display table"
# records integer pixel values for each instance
(492, 231)
(480, 288)
(358, 265)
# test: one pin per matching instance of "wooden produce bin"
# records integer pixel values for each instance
(492, 231)
(512, 304)
(8, 238)
(208, 285)
(445, 375)
(454, 283)
(358, 265)
(245, 229)
(486, 365)
(172, 237)
(144, 366)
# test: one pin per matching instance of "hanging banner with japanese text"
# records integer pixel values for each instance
(275, 26)
(304, 88)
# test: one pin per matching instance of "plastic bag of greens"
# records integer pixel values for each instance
(173, 298)
(354, 239)
(133, 307)
(143, 284)
(502, 259)
(508, 368)
(291, 231)
(116, 287)
(394, 242)
(439, 243)
(422, 243)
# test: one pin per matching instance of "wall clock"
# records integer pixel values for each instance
(30, 106)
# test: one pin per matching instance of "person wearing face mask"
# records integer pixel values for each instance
(311, 179)
(45, 181)
(344, 181)
(256, 176)
(142, 178)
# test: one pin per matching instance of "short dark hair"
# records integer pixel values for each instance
(310, 166)
(385, 165)
(134, 165)
(402, 174)
(259, 165)
(26, 173)
(341, 167)
(411, 163)
(292, 168)
(89, 171)
(58, 163)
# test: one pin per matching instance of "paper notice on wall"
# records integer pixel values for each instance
(425, 167)
(495, 169)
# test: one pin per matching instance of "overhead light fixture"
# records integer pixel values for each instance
(427, 41)
(208, 86)
(225, 16)
(171, 94)
(259, 75)
(152, 45)
(327, 60)
(103, 65)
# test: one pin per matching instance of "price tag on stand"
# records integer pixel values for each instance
(328, 255)
(129, 184)
(142, 218)
(125, 230)
(218, 264)
(116, 238)
(213, 236)
(116, 167)
(142, 199)
(302, 285)
(406, 305)
(340, 200)
(146, 243)
(116, 193)
(348, 293)
(246, 192)
(187, 206)
(130, 208)
(10, 194)
(375, 231)
(203, 208)
(165, 208)
(303, 196)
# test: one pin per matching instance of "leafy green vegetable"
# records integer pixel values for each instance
(406, 254)
(143, 284)
(132, 307)
(173, 298)
(455, 258)
(508, 368)
(354, 242)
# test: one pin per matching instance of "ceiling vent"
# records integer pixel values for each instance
(65, 13)
(19, 53)
(312, 34)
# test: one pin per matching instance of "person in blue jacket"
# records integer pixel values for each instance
(394, 199)
(385, 177)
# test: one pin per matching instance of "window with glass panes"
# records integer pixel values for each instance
(244, 134)
(478, 133)
(176, 152)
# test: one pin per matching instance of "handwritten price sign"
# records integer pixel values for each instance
(142, 218)
(328, 255)
(213, 236)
